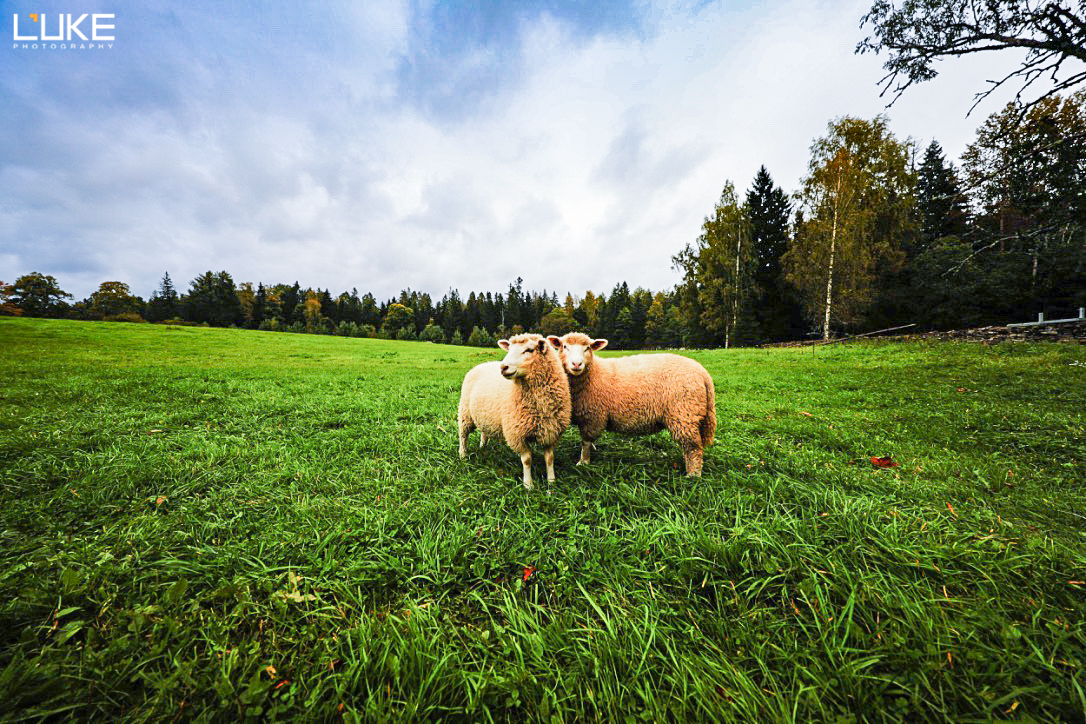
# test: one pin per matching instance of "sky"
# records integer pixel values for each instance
(383, 146)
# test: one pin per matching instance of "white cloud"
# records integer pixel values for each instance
(301, 162)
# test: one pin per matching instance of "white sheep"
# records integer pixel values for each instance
(524, 398)
(638, 395)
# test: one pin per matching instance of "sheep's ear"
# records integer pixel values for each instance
(504, 344)
(556, 342)
(598, 344)
(542, 346)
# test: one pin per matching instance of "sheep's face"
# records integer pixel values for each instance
(520, 351)
(577, 351)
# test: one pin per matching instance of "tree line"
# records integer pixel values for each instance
(631, 319)
(878, 235)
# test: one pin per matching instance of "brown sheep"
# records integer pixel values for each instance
(638, 395)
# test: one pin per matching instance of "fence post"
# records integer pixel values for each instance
(1040, 316)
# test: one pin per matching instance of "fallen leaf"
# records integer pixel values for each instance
(884, 462)
(805, 414)
(528, 571)
(297, 596)
(294, 594)
(952, 511)
(1077, 583)
(281, 684)
(270, 671)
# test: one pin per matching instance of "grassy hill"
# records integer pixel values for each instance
(221, 523)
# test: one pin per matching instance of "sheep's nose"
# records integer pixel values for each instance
(505, 369)
(575, 365)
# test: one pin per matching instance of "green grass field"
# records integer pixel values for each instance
(208, 523)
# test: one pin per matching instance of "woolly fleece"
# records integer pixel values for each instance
(534, 406)
(642, 394)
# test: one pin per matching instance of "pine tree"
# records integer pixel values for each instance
(490, 314)
(164, 303)
(328, 306)
(640, 301)
(472, 316)
(228, 305)
(370, 313)
(453, 315)
(776, 306)
(424, 311)
(514, 305)
(940, 202)
(260, 305)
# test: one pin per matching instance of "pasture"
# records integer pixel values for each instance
(211, 523)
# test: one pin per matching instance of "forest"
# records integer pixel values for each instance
(880, 233)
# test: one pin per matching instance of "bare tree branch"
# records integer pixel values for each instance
(920, 32)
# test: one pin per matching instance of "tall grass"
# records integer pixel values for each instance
(205, 523)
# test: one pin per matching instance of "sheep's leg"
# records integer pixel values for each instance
(548, 457)
(465, 429)
(685, 429)
(586, 452)
(526, 462)
(692, 457)
(482, 439)
(591, 428)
